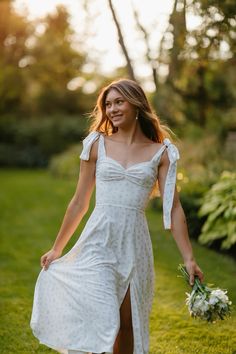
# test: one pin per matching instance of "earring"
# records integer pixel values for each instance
(137, 116)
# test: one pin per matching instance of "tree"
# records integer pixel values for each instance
(55, 64)
(198, 60)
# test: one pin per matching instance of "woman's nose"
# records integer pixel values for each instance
(113, 108)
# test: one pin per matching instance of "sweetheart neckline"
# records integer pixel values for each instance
(133, 165)
(129, 167)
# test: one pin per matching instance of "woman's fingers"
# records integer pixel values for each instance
(48, 257)
(200, 274)
(46, 264)
(191, 278)
(196, 272)
(45, 261)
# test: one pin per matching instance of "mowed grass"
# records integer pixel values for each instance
(33, 204)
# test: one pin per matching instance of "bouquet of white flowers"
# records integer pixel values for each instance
(206, 303)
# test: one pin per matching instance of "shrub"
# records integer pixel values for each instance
(66, 164)
(219, 205)
(31, 143)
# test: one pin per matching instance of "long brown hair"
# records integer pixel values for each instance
(134, 94)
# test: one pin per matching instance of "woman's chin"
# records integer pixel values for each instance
(117, 124)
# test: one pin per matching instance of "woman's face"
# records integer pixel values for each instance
(119, 110)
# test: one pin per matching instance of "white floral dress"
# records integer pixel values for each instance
(77, 300)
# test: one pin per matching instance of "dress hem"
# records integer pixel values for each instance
(62, 350)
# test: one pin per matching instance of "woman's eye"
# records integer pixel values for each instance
(120, 101)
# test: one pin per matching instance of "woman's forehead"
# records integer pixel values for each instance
(113, 94)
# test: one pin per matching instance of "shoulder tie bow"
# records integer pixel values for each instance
(87, 144)
(169, 189)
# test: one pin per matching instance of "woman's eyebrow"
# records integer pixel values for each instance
(117, 98)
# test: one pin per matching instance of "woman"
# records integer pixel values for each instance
(97, 297)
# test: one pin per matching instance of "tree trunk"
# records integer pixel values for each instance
(122, 43)
(153, 62)
(178, 21)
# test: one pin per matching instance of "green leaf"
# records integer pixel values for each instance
(228, 242)
(209, 237)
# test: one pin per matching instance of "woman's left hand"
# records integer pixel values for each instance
(193, 270)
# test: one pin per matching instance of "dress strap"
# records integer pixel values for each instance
(87, 144)
(169, 189)
(102, 150)
(158, 154)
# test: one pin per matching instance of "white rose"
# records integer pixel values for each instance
(213, 299)
(200, 304)
(220, 294)
(197, 302)
(205, 306)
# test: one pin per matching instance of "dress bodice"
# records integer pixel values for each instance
(131, 187)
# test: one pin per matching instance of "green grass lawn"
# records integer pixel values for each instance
(32, 206)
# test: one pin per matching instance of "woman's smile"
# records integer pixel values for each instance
(116, 117)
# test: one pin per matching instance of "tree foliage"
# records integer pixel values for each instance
(14, 31)
(201, 61)
(55, 64)
(38, 63)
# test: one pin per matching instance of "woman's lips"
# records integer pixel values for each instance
(117, 116)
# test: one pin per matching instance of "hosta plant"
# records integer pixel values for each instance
(219, 206)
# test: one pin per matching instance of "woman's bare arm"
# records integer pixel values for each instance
(179, 227)
(77, 207)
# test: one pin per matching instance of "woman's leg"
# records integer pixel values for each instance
(124, 340)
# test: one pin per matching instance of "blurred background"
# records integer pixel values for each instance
(55, 56)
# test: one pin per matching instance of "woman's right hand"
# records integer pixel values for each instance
(48, 257)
